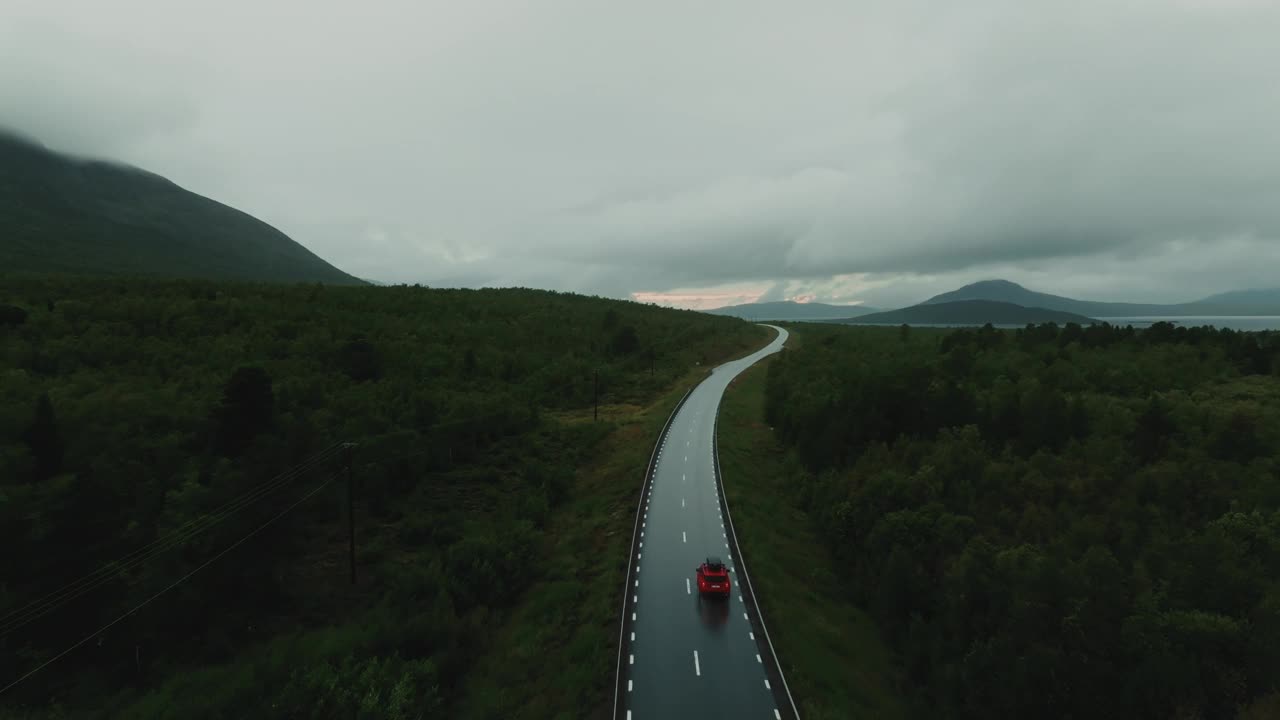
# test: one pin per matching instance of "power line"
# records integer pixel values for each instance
(108, 572)
(176, 583)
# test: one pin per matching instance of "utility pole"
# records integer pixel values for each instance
(595, 415)
(351, 510)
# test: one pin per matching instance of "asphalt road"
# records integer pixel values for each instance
(684, 656)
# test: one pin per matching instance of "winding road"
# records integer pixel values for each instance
(683, 656)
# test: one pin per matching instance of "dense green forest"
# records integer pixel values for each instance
(1052, 522)
(134, 412)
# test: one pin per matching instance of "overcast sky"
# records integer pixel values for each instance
(702, 153)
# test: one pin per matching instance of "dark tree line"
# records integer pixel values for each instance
(1051, 522)
(130, 409)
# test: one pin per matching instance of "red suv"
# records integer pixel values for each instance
(713, 577)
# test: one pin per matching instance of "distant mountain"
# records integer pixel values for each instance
(970, 312)
(788, 310)
(1248, 302)
(65, 214)
(1242, 302)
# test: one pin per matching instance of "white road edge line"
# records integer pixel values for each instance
(697, 669)
(718, 475)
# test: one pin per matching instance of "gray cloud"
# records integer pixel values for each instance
(880, 151)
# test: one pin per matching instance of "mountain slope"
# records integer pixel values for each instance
(788, 310)
(64, 214)
(970, 312)
(1248, 302)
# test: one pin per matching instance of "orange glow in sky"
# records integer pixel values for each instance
(694, 300)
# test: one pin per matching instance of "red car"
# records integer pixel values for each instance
(713, 577)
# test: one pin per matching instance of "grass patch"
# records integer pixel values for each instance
(832, 654)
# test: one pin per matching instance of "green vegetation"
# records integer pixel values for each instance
(65, 214)
(1053, 522)
(970, 312)
(491, 507)
(833, 657)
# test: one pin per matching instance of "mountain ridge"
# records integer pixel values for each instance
(790, 310)
(1241, 302)
(66, 213)
(969, 312)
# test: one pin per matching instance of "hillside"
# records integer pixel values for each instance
(970, 312)
(491, 503)
(65, 214)
(1248, 302)
(788, 310)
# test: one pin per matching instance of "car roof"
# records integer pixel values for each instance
(714, 561)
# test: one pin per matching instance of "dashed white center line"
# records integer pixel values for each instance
(628, 686)
(753, 635)
(777, 715)
(642, 544)
(633, 637)
(687, 588)
(744, 617)
(697, 669)
(633, 662)
(684, 537)
(681, 502)
(758, 658)
(766, 684)
(633, 617)
(635, 598)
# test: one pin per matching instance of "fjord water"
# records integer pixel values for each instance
(1234, 322)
